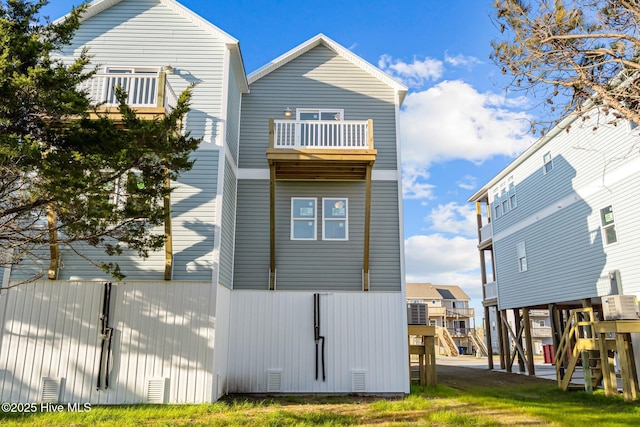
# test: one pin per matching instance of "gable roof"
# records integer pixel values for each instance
(430, 291)
(323, 40)
(98, 6)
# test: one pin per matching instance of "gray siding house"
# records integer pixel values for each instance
(558, 227)
(318, 212)
(283, 224)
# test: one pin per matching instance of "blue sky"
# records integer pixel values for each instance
(458, 127)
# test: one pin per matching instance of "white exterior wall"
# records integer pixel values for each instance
(274, 330)
(51, 329)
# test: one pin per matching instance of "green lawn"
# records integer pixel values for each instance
(529, 405)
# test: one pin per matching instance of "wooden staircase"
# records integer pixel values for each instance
(446, 341)
(579, 345)
(478, 343)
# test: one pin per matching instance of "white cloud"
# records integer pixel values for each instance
(414, 185)
(462, 61)
(454, 218)
(414, 74)
(442, 261)
(452, 120)
(428, 255)
(468, 182)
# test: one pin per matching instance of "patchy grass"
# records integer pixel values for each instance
(485, 401)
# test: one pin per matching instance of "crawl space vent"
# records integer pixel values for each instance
(274, 381)
(50, 389)
(358, 381)
(155, 390)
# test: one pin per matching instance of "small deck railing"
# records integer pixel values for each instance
(143, 90)
(323, 134)
(486, 233)
(490, 290)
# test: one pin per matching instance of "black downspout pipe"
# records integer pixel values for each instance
(316, 334)
(106, 335)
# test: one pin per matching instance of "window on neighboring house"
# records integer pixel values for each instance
(497, 206)
(504, 199)
(335, 219)
(608, 225)
(512, 194)
(303, 218)
(541, 323)
(548, 163)
(522, 257)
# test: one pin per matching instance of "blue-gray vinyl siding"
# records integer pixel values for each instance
(227, 231)
(147, 33)
(233, 117)
(318, 79)
(193, 215)
(317, 264)
(558, 219)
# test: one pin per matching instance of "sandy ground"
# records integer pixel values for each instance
(466, 372)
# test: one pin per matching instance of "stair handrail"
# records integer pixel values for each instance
(570, 341)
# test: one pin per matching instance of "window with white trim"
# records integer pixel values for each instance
(608, 225)
(513, 202)
(504, 199)
(522, 257)
(335, 219)
(547, 163)
(497, 207)
(319, 134)
(303, 218)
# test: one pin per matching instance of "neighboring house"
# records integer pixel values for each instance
(540, 328)
(277, 220)
(559, 225)
(447, 307)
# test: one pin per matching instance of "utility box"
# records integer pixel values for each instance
(620, 307)
(417, 314)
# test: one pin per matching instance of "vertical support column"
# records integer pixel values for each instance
(367, 228)
(503, 365)
(168, 242)
(487, 326)
(505, 342)
(54, 250)
(518, 339)
(162, 81)
(527, 330)
(272, 227)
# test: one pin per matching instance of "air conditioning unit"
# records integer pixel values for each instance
(620, 307)
(417, 314)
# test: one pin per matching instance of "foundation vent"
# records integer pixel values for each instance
(50, 389)
(155, 390)
(274, 381)
(358, 381)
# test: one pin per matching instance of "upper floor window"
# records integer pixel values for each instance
(497, 207)
(522, 257)
(512, 193)
(548, 163)
(318, 114)
(608, 225)
(335, 219)
(303, 218)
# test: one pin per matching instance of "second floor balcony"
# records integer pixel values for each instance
(148, 93)
(338, 150)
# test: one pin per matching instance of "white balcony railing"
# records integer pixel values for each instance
(490, 290)
(327, 134)
(539, 313)
(143, 90)
(486, 233)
